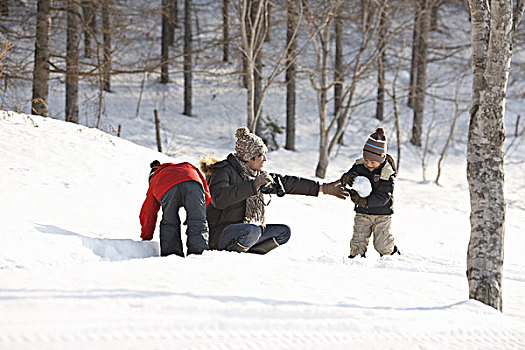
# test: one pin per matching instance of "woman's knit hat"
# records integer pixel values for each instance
(248, 144)
(375, 146)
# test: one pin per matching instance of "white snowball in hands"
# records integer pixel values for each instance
(362, 185)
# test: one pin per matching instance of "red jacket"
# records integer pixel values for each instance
(164, 178)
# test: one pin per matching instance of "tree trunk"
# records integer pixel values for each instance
(338, 73)
(165, 45)
(187, 57)
(4, 8)
(492, 36)
(259, 38)
(106, 62)
(322, 164)
(89, 23)
(434, 15)
(252, 31)
(381, 61)
(41, 66)
(322, 93)
(267, 22)
(413, 64)
(257, 96)
(172, 13)
(225, 31)
(73, 35)
(291, 47)
(421, 73)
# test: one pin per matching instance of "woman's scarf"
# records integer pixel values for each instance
(254, 211)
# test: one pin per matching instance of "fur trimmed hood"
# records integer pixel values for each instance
(206, 163)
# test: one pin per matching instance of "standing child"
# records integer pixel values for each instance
(373, 213)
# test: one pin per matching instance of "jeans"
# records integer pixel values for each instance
(248, 235)
(190, 195)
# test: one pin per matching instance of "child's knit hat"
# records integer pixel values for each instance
(248, 145)
(154, 166)
(375, 146)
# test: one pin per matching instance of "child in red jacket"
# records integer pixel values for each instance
(173, 186)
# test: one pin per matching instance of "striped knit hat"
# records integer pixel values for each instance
(375, 146)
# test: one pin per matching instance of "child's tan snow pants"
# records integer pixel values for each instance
(364, 226)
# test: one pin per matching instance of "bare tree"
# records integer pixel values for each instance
(494, 25)
(380, 102)
(6, 46)
(420, 58)
(457, 112)
(4, 8)
(225, 31)
(252, 31)
(72, 68)
(187, 57)
(291, 66)
(172, 13)
(338, 69)
(107, 5)
(415, 42)
(257, 73)
(320, 20)
(89, 10)
(252, 34)
(165, 44)
(41, 65)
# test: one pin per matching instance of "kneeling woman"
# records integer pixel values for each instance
(236, 213)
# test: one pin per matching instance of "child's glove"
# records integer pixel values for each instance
(335, 189)
(357, 199)
(348, 178)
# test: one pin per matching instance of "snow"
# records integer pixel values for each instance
(362, 186)
(75, 275)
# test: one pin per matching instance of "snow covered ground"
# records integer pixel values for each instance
(75, 275)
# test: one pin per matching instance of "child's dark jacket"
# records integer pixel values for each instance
(380, 201)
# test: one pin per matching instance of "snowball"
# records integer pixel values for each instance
(362, 185)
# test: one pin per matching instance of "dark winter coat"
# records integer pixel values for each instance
(164, 178)
(381, 199)
(229, 193)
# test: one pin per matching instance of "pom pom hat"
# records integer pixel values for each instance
(375, 146)
(248, 144)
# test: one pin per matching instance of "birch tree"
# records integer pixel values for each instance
(494, 24)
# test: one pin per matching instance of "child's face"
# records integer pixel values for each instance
(371, 165)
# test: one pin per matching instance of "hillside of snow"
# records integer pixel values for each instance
(75, 275)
